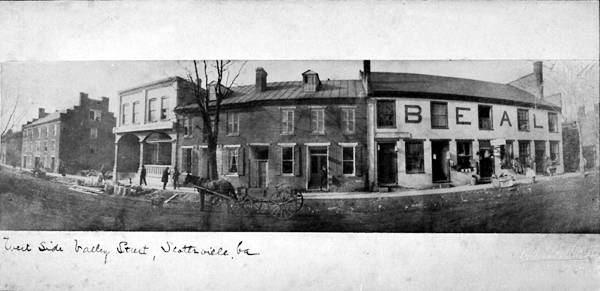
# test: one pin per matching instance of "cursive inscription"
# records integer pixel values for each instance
(49, 247)
(91, 250)
(124, 248)
(10, 247)
(190, 249)
(240, 250)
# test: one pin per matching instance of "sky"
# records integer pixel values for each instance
(56, 85)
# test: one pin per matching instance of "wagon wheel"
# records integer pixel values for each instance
(282, 205)
(243, 207)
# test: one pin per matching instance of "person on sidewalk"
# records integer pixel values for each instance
(323, 174)
(175, 178)
(165, 178)
(143, 176)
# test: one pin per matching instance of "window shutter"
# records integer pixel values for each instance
(223, 161)
(333, 160)
(359, 163)
(241, 161)
(297, 160)
(277, 159)
(253, 173)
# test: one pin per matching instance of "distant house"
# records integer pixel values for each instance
(589, 132)
(10, 148)
(78, 138)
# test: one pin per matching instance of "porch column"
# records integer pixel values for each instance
(174, 154)
(141, 155)
(427, 156)
(401, 154)
(371, 144)
(115, 178)
(453, 151)
(532, 154)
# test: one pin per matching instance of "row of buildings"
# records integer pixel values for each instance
(382, 129)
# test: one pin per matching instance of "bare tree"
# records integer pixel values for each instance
(224, 74)
(15, 112)
(578, 83)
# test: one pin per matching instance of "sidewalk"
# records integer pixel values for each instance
(371, 195)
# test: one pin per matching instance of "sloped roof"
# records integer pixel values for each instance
(289, 91)
(417, 83)
(49, 117)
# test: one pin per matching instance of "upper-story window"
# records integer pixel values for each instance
(54, 130)
(523, 119)
(152, 110)
(233, 123)
(45, 128)
(136, 112)
(45, 146)
(348, 121)
(188, 126)
(164, 108)
(439, 115)
(53, 146)
(37, 146)
(318, 121)
(94, 133)
(386, 113)
(552, 122)
(125, 115)
(95, 115)
(36, 132)
(287, 121)
(485, 117)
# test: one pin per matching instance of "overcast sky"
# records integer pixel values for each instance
(56, 85)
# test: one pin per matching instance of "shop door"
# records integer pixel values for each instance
(317, 160)
(439, 164)
(540, 153)
(387, 166)
(486, 159)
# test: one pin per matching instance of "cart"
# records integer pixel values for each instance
(284, 203)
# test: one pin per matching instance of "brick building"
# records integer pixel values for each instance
(284, 132)
(10, 148)
(426, 129)
(79, 138)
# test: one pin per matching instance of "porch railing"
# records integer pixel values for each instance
(155, 170)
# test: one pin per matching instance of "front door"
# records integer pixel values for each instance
(486, 159)
(387, 166)
(37, 162)
(262, 174)
(540, 154)
(318, 161)
(440, 169)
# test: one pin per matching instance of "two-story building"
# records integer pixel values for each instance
(78, 138)
(146, 132)
(426, 129)
(10, 148)
(284, 132)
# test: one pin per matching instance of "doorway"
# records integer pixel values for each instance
(486, 160)
(540, 154)
(262, 174)
(440, 168)
(259, 174)
(37, 163)
(387, 166)
(317, 160)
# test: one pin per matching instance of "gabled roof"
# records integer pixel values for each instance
(417, 83)
(289, 91)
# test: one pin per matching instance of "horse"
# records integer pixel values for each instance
(220, 186)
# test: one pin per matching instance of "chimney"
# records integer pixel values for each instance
(261, 80)
(367, 66)
(41, 113)
(539, 78)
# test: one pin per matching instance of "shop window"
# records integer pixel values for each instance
(386, 114)
(506, 155)
(318, 121)
(348, 120)
(439, 115)
(233, 123)
(523, 119)
(287, 160)
(348, 160)
(414, 157)
(554, 152)
(525, 153)
(464, 154)
(287, 121)
(552, 122)
(485, 117)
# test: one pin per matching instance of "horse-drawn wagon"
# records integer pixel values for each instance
(220, 195)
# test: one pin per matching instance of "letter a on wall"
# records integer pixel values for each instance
(505, 117)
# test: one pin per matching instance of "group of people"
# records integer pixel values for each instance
(165, 177)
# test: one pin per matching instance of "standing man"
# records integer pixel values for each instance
(143, 176)
(175, 178)
(165, 178)
(323, 173)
